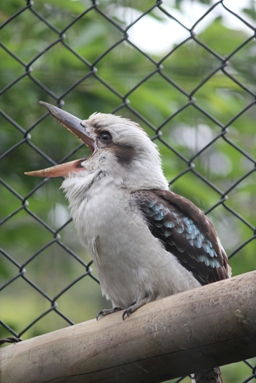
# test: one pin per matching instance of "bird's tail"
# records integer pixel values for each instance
(208, 376)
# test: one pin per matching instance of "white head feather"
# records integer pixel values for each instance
(129, 159)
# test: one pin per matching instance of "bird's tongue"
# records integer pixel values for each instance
(75, 126)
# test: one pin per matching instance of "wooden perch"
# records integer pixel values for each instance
(184, 333)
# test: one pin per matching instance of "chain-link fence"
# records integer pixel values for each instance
(184, 70)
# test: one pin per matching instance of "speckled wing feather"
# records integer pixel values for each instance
(186, 232)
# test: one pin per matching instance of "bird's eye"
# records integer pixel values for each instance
(105, 136)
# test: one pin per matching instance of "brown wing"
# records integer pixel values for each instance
(186, 232)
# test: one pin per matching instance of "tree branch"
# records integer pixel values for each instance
(184, 333)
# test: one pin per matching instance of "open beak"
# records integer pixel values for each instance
(75, 126)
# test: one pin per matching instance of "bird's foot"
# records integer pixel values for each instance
(11, 339)
(105, 312)
(135, 306)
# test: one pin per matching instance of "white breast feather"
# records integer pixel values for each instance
(130, 261)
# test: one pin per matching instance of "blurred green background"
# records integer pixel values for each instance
(192, 89)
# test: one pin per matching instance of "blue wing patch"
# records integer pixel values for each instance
(186, 232)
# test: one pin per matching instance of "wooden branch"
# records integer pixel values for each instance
(184, 333)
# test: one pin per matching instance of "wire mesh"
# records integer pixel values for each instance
(195, 96)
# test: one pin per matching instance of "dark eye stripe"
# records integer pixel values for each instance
(124, 154)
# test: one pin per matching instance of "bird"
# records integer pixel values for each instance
(146, 242)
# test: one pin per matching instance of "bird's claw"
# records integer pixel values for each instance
(134, 306)
(105, 312)
(10, 339)
(127, 313)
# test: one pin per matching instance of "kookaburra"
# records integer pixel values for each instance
(146, 241)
